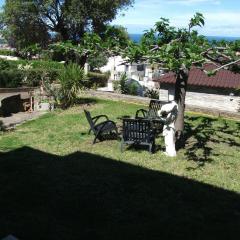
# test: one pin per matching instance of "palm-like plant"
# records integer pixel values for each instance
(72, 80)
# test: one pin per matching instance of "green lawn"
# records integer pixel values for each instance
(56, 185)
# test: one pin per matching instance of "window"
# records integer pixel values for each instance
(140, 67)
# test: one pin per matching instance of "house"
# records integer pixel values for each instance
(220, 92)
(143, 73)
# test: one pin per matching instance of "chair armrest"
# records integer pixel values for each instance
(143, 111)
(96, 118)
(104, 123)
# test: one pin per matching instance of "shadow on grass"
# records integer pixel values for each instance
(86, 196)
(201, 134)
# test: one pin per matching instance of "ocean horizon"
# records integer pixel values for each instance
(137, 36)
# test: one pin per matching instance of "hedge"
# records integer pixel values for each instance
(34, 63)
(10, 78)
(98, 79)
(7, 52)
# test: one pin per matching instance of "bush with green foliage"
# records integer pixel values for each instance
(30, 77)
(125, 86)
(97, 79)
(4, 64)
(30, 51)
(72, 80)
(132, 88)
(7, 52)
(28, 73)
(10, 78)
(36, 64)
(97, 61)
(120, 86)
(33, 77)
(151, 93)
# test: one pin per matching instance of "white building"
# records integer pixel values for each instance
(143, 73)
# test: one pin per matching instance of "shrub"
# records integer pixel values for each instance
(152, 93)
(132, 88)
(116, 86)
(98, 79)
(30, 51)
(4, 64)
(35, 64)
(47, 65)
(33, 77)
(29, 73)
(97, 61)
(121, 85)
(7, 52)
(10, 78)
(126, 86)
(72, 80)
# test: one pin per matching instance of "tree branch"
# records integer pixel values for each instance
(226, 65)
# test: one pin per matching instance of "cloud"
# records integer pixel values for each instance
(216, 23)
(193, 2)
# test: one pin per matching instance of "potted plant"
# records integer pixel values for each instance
(45, 105)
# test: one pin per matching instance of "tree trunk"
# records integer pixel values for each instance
(180, 93)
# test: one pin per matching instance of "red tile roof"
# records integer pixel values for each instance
(222, 79)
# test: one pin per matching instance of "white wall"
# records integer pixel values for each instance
(206, 100)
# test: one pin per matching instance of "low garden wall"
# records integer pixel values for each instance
(145, 101)
(12, 99)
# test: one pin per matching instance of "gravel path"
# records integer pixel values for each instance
(7, 123)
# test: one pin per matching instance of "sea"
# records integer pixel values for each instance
(136, 38)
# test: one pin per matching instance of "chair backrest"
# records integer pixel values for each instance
(136, 130)
(154, 107)
(89, 119)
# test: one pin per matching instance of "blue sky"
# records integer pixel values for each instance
(222, 17)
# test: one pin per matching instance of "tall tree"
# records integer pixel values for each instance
(20, 26)
(110, 43)
(177, 50)
(63, 19)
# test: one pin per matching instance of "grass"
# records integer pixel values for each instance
(56, 185)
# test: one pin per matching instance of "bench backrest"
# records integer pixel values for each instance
(136, 130)
(154, 107)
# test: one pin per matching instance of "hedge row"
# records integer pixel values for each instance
(34, 63)
(12, 76)
(7, 52)
(98, 79)
(30, 78)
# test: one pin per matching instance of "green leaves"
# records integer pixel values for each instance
(72, 80)
(197, 20)
(169, 47)
(29, 22)
(210, 73)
